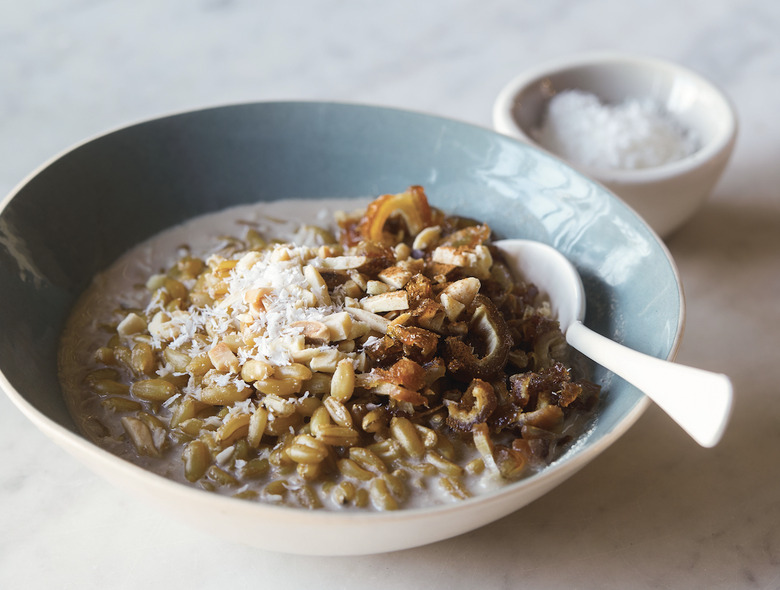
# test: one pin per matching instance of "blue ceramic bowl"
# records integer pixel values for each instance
(76, 214)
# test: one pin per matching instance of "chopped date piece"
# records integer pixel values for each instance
(484, 353)
(475, 407)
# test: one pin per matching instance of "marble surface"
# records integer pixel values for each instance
(655, 510)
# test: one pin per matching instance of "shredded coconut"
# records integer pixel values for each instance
(171, 400)
(281, 271)
(629, 135)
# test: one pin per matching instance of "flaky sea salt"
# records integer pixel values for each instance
(629, 135)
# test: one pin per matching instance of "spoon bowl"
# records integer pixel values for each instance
(699, 401)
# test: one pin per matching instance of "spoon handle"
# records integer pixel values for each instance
(698, 400)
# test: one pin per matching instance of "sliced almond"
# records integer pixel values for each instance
(463, 290)
(395, 277)
(314, 332)
(343, 262)
(374, 321)
(339, 326)
(223, 359)
(392, 301)
(131, 324)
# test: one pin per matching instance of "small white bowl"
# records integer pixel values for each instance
(667, 195)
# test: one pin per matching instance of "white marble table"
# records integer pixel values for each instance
(655, 510)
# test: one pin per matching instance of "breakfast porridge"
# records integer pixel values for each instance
(378, 359)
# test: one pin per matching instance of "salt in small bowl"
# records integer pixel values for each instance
(667, 195)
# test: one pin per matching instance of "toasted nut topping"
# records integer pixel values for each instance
(223, 358)
(452, 307)
(254, 298)
(317, 284)
(476, 261)
(463, 290)
(395, 277)
(392, 301)
(343, 262)
(372, 320)
(132, 324)
(376, 287)
(313, 331)
(426, 238)
(339, 326)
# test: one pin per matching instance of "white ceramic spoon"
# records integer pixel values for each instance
(699, 401)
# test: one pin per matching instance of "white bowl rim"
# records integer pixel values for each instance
(505, 122)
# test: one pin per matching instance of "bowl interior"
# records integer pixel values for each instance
(78, 213)
(693, 101)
